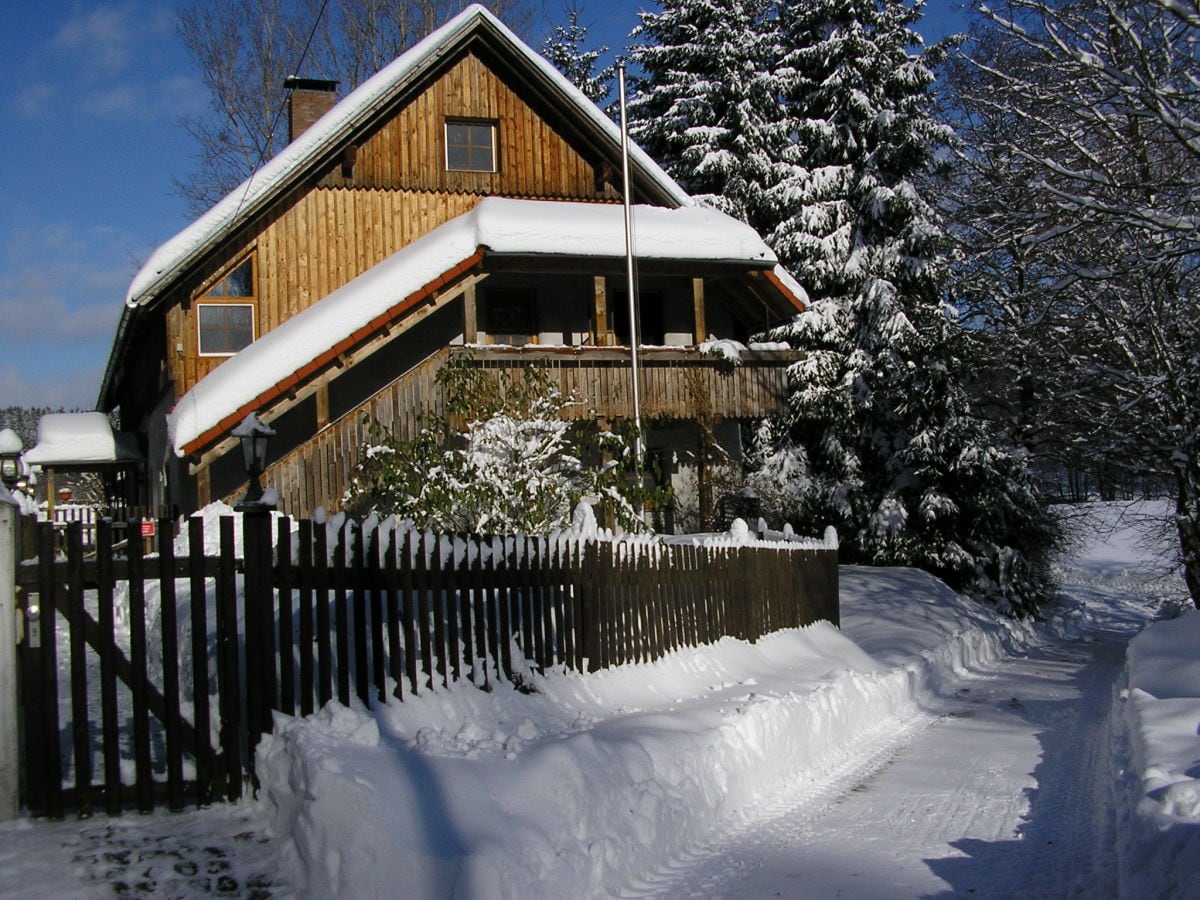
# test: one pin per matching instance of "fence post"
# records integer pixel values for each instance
(260, 622)
(8, 657)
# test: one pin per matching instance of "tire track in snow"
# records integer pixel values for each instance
(1007, 793)
(804, 800)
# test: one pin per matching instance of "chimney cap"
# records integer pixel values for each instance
(296, 83)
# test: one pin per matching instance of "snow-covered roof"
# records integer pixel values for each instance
(495, 225)
(330, 129)
(66, 439)
(10, 442)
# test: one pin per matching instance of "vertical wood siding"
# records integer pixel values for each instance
(684, 387)
(399, 190)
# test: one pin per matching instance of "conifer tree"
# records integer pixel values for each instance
(705, 107)
(879, 438)
(566, 47)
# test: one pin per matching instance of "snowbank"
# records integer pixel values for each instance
(1160, 855)
(576, 788)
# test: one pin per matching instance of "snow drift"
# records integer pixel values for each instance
(570, 790)
(1161, 846)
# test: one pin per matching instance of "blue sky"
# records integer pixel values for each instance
(89, 123)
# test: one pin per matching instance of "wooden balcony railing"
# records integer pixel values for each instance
(679, 382)
(676, 382)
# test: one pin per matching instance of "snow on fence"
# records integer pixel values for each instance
(150, 677)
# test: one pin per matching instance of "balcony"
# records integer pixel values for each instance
(675, 382)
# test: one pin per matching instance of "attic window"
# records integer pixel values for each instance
(238, 283)
(224, 327)
(471, 146)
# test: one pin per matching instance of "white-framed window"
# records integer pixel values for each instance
(224, 328)
(470, 146)
(223, 324)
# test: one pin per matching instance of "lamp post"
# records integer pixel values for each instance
(256, 509)
(10, 457)
(254, 436)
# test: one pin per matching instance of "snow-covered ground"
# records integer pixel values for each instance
(926, 748)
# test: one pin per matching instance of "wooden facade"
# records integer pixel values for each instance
(673, 384)
(371, 186)
(534, 159)
(388, 196)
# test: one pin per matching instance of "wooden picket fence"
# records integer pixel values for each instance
(168, 667)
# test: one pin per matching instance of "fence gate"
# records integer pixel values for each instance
(116, 702)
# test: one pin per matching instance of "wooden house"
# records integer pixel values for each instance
(463, 201)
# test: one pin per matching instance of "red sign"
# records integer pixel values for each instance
(147, 528)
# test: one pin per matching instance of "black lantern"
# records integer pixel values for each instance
(10, 458)
(253, 435)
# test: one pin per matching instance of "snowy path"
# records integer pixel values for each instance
(1003, 790)
(926, 749)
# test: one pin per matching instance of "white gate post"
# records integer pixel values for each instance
(8, 657)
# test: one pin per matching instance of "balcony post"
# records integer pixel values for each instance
(470, 316)
(600, 311)
(701, 334)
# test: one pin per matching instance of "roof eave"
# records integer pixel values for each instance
(653, 180)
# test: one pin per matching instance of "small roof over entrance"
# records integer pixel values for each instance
(81, 441)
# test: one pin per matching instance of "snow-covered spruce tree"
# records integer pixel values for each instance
(705, 106)
(566, 47)
(880, 439)
(514, 469)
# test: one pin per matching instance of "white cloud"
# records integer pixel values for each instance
(123, 100)
(61, 294)
(32, 100)
(111, 61)
(101, 38)
(32, 308)
(181, 95)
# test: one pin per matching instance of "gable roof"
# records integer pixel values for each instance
(332, 129)
(347, 317)
(324, 139)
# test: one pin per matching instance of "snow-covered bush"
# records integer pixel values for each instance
(515, 469)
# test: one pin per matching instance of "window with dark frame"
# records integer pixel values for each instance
(471, 146)
(510, 316)
(238, 283)
(223, 329)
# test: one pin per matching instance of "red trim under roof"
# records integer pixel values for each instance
(311, 369)
(785, 290)
(306, 372)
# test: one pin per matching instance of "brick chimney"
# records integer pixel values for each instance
(308, 100)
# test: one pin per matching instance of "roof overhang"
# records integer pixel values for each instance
(438, 266)
(320, 146)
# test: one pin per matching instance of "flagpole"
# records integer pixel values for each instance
(631, 284)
